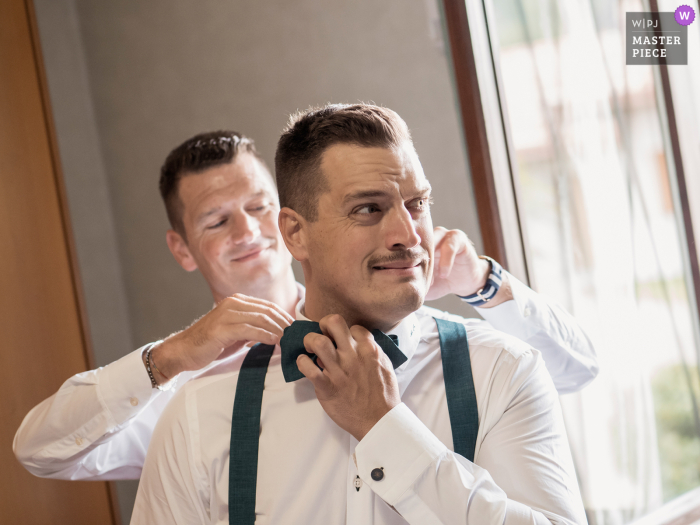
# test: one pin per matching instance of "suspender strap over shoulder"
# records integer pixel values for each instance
(459, 387)
(245, 432)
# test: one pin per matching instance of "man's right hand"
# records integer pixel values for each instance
(231, 324)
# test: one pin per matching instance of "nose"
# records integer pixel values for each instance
(245, 229)
(401, 233)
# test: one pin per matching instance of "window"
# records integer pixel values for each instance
(602, 232)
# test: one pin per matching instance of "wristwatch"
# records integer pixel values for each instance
(493, 283)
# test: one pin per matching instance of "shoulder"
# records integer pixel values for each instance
(217, 382)
(481, 336)
(502, 365)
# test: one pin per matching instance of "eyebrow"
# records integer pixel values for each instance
(364, 195)
(207, 214)
(213, 211)
(369, 194)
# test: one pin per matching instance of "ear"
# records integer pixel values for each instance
(178, 247)
(294, 232)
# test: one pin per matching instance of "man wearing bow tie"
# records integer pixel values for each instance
(405, 415)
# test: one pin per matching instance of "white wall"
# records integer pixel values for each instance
(131, 80)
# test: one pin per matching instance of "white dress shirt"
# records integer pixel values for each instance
(99, 423)
(307, 465)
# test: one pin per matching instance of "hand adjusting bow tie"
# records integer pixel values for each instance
(292, 345)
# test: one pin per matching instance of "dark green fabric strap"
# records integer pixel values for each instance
(459, 386)
(245, 432)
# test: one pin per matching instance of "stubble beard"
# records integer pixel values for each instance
(379, 311)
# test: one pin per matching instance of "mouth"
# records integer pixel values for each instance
(400, 267)
(249, 255)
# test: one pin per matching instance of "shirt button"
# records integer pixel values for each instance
(526, 312)
(378, 474)
(133, 401)
(78, 441)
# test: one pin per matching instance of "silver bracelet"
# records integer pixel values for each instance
(155, 367)
(154, 384)
(167, 386)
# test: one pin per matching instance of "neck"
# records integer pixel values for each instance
(282, 291)
(317, 306)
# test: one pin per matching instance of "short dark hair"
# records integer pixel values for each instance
(310, 133)
(201, 152)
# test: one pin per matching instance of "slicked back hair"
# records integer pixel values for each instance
(195, 155)
(300, 181)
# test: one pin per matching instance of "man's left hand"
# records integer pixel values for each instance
(357, 385)
(457, 268)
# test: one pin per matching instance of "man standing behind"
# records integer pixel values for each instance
(222, 205)
(368, 438)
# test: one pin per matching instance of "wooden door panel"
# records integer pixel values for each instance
(42, 337)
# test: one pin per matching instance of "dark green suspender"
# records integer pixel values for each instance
(245, 433)
(245, 425)
(459, 387)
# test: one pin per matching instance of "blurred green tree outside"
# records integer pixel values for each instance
(679, 442)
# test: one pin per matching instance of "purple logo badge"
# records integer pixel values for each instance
(685, 15)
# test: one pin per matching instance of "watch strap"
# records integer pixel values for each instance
(493, 284)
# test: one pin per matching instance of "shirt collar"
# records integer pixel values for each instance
(408, 332)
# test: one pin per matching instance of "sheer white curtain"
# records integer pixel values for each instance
(603, 238)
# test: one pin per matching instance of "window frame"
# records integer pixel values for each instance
(486, 136)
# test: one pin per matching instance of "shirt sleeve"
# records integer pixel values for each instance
(97, 426)
(523, 472)
(567, 351)
(168, 491)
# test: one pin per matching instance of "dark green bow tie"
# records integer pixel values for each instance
(292, 344)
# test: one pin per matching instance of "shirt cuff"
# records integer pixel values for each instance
(516, 317)
(124, 387)
(402, 447)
